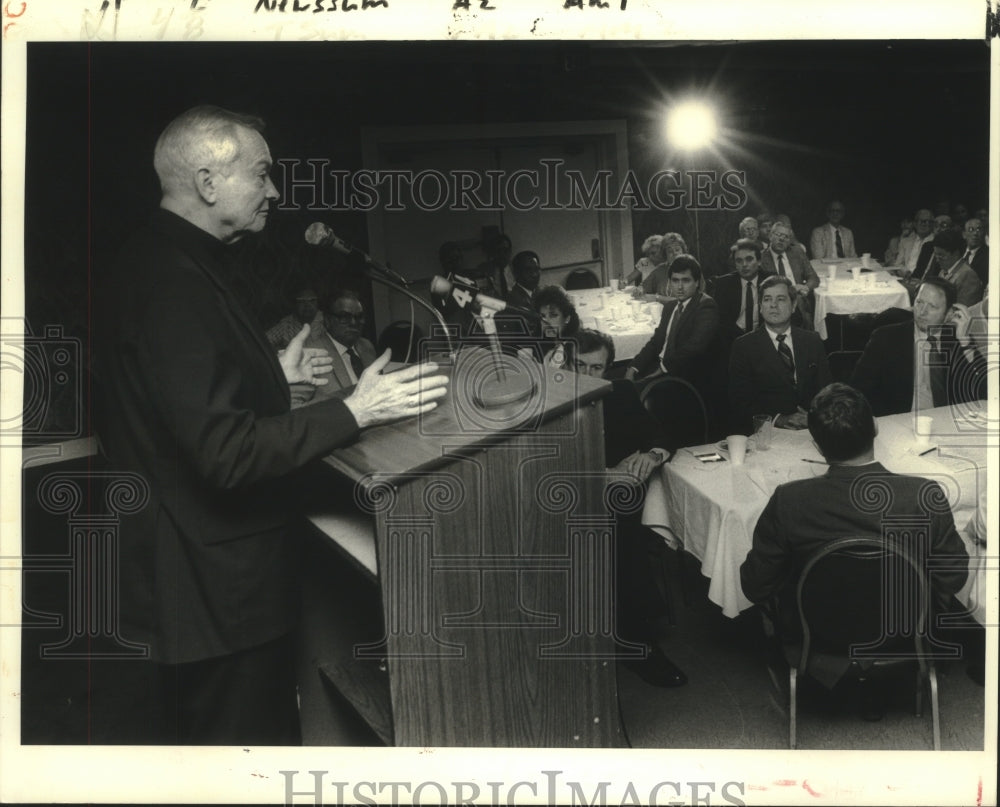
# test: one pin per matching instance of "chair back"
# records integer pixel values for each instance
(863, 597)
(892, 316)
(581, 278)
(842, 364)
(397, 337)
(680, 410)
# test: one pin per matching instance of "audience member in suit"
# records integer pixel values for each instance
(805, 515)
(683, 342)
(779, 260)
(777, 369)
(491, 276)
(793, 241)
(193, 399)
(658, 281)
(344, 317)
(738, 312)
(764, 222)
(931, 361)
(949, 246)
(633, 446)
(527, 271)
(977, 254)
(833, 240)
(923, 229)
(748, 231)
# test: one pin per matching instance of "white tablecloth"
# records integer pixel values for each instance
(712, 509)
(629, 322)
(874, 292)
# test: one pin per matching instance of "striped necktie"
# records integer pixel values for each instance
(786, 354)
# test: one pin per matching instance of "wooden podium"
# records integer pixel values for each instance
(489, 533)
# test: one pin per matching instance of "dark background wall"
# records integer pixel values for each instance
(885, 127)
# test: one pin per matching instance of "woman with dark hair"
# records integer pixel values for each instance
(560, 323)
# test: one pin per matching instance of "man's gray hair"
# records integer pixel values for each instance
(202, 137)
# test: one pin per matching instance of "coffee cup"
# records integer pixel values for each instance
(737, 448)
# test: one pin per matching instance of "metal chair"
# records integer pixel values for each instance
(680, 410)
(863, 608)
(581, 278)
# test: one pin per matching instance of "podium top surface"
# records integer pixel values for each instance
(462, 423)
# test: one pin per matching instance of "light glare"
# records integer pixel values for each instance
(691, 125)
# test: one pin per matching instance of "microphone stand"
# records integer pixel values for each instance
(373, 275)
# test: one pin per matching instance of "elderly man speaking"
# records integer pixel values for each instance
(195, 401)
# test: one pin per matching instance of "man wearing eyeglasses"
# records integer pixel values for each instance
(977, 254)
(344, 317)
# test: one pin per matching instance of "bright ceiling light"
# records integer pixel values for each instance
(691, 125)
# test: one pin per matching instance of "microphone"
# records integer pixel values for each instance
(320, 235)
(464, 292)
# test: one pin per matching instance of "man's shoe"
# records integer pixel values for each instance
(657, 669)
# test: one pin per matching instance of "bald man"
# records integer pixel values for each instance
(194, 400)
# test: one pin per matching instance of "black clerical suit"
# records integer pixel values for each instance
(193, 399)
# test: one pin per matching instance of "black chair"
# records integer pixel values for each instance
(842, 364)
(863, 608)
(397, 336)
(581, 278)
(891, 316)
(680, 410)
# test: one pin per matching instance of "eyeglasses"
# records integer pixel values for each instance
(343, 316)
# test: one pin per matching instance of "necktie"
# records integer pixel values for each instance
(672, 328)
(356, 364)
(748, 302)
(783, 269)
(786, 355)
(968, 256)
(840, 243)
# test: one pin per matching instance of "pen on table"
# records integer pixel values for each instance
(927, 451)
(815, 462)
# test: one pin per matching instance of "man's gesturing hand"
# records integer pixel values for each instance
(305, 364)
(380, 398)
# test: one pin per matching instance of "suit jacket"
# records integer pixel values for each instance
(966, 283)
(192, 398)
(805, 515)
(695, 337)
(519, 298)
(728, 295)
(339, 380)
(926, 265)
(759, 383)
(884, 373)
(823, 243)
(981, 264)
(802, 269)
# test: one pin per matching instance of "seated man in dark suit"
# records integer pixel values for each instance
(633, 445)
(928, 362)
(778, 259)
(351, 353)
(738, 293)
(527, 270)
(977, 253)
(682, 343)
(777, 369)
(803, 516)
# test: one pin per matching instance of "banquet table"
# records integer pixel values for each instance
(873, 292)
(629, 322)
(711, 509)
